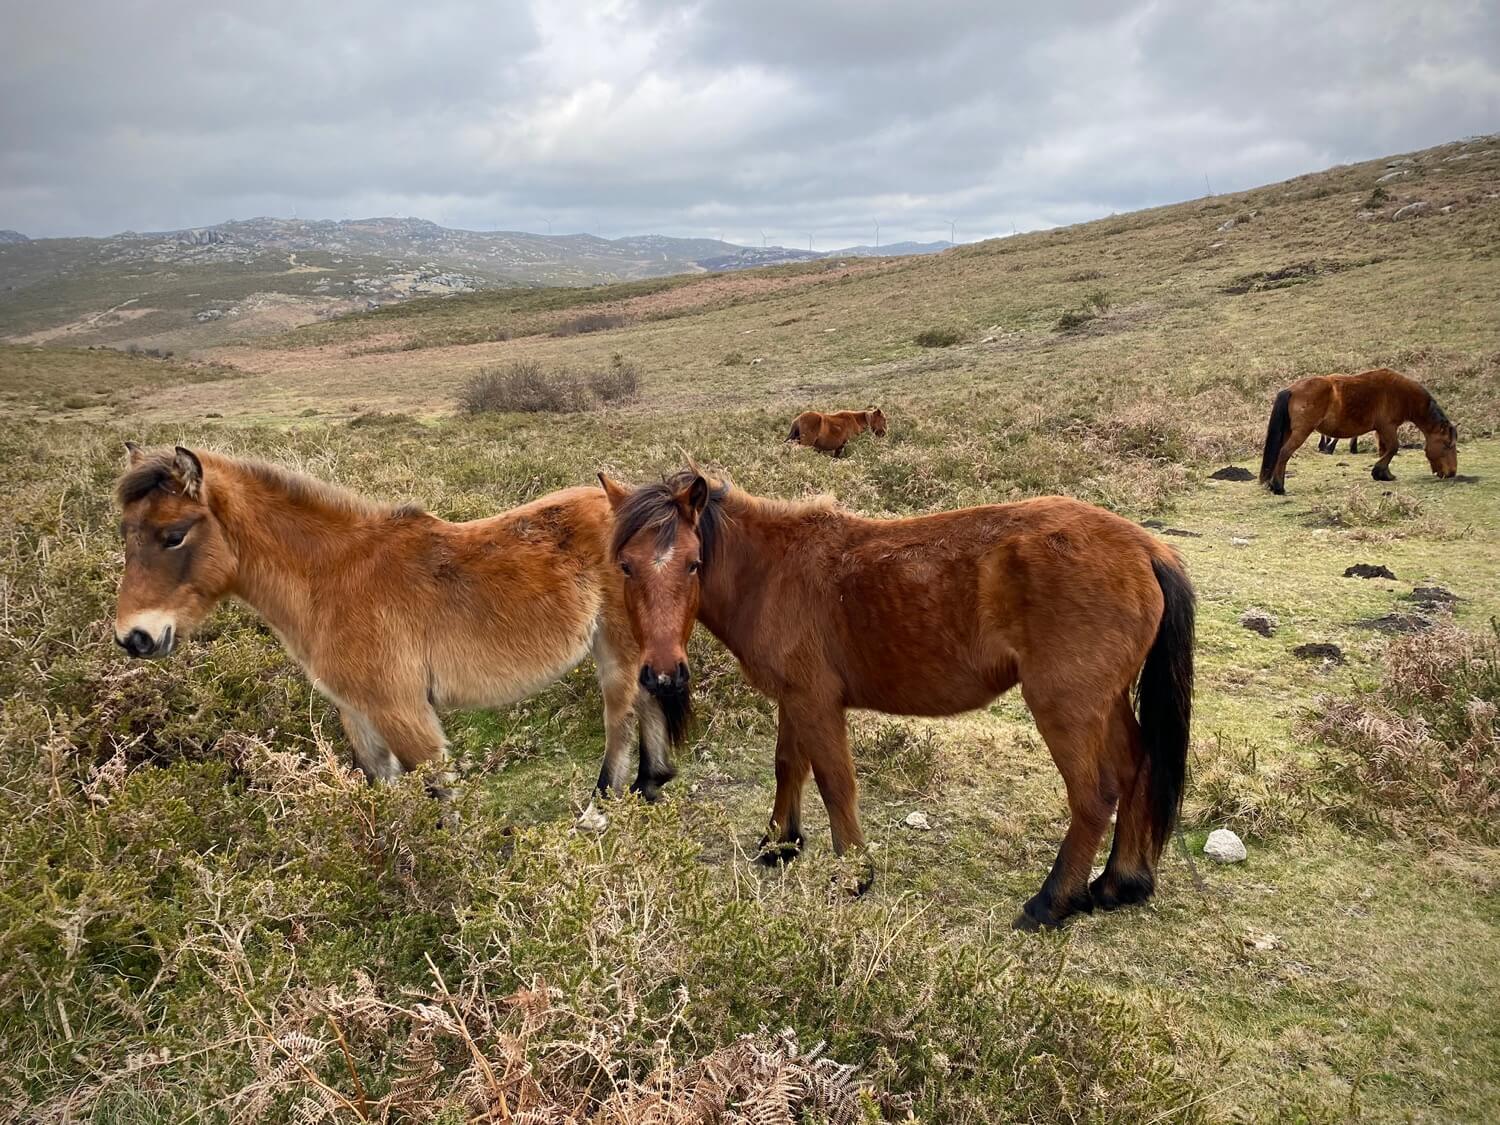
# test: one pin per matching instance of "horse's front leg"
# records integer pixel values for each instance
(783, 840)
(1389, 444)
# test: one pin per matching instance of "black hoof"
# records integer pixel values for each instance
(779, 853)
(1381, 473)
(1110, 892)
(1278, 488)
(855, 885)
(1043, 912)
(648, 784)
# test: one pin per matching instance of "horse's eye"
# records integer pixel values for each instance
(625, 569)
(694, 567)
(173, 539)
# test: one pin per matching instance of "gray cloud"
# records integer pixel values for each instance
(624, 116)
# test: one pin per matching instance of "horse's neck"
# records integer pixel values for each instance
(741, 576)
(285, 552)
(1418, 408)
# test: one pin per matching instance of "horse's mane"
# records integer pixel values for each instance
(157, 470)
(1436, 416)
(655, 506)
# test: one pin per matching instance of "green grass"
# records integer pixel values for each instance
(196, 903)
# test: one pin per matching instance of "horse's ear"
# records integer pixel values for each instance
(613, 489)
(188, 472)
(692, 498)
(134, 454)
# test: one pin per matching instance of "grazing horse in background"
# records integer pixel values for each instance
(392, 613)
(934, 615)
(1345, 406)
(831, 432)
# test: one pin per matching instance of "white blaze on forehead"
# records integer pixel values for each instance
(153, 622)
(663, 559)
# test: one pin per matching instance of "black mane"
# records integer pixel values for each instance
(655, 506)
(1436, 416)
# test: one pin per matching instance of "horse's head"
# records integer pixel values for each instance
(1442, 450)
(662, 539)
(877, 421)
(178, 562)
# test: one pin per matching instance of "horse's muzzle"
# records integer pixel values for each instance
(139, 643)
(665, 683)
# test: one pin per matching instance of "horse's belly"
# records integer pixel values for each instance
(498, 678)
(931, 696)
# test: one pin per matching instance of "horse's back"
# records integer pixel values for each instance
(988, 592)
(510, 602)
(1365, 401)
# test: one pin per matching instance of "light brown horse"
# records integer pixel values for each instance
(831, 432)
(392, 613)
(934, 615)
(1345, 406)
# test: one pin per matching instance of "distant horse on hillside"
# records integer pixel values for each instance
(831, 432)
(392, 613)
(934, 615)
(1345, 406)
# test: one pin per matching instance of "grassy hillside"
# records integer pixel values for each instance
(203, 915)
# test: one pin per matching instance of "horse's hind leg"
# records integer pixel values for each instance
(1353, 445)
(1299, 433)
(1129, 875)
(1076, 733)
(389, 741)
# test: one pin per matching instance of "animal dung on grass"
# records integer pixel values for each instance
(1231, 472)
(1259, 621)
(918, 821)
(1368, 570)
(1432, 597)
(1223, 846)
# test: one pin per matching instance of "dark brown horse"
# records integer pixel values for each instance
(934, 615)
(831, 432)
(1345, 406)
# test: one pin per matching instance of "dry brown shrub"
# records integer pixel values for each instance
(1420, 753)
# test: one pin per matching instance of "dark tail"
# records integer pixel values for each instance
(796, 434)
(1276, 432)
(1164, 700)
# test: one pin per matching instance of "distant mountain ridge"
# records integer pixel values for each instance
(507, 257)
(248, 276)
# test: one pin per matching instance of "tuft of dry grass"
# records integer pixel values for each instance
(1420, 753)
(526, 387)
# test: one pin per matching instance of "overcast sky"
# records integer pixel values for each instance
(727, 117)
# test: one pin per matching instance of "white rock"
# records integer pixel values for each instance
(1223, 846)
(1239, 541)
(592, 820)
(1420, 207)
(917, 820)
(1391, 176)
